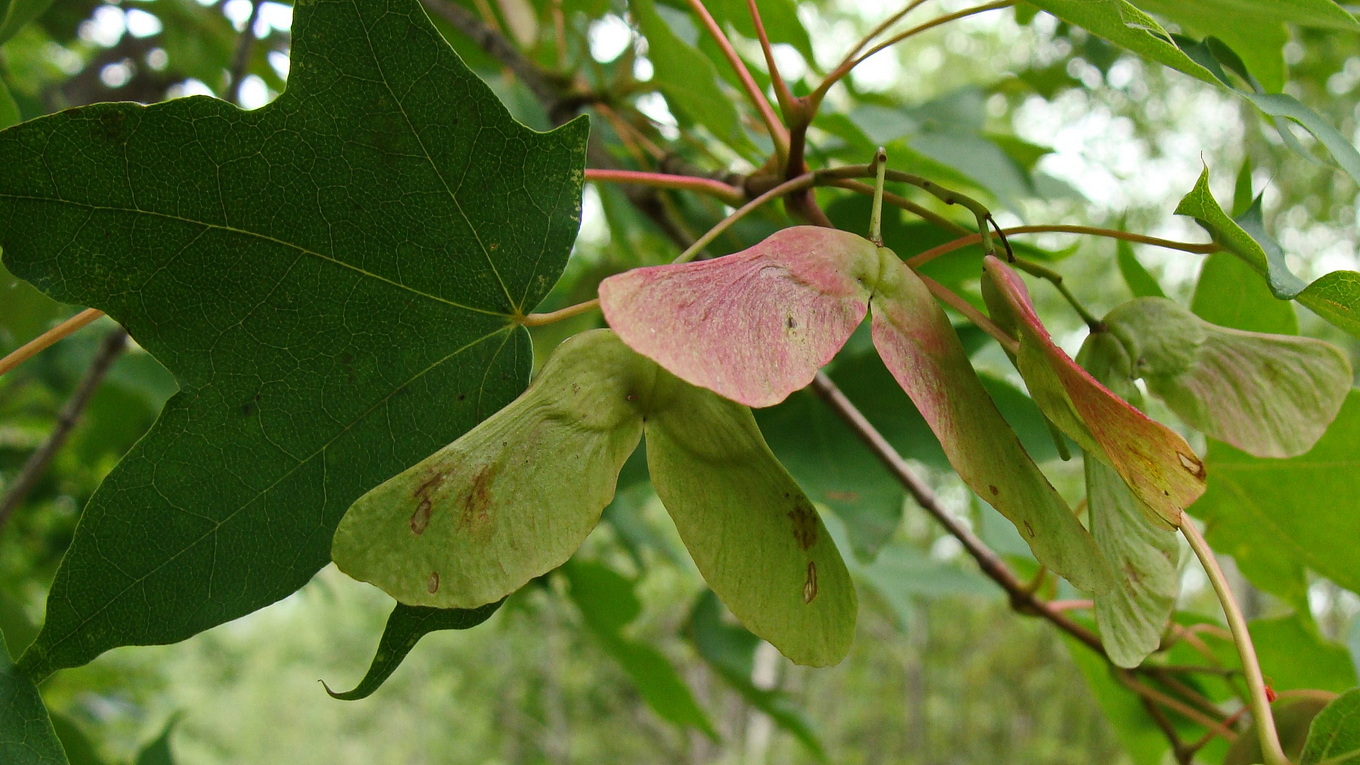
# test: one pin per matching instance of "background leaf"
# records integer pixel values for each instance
(730, 650)
(26, 735)
(1334, 738)
(1140, 282)
(609, 605)
(1280, 517)
(294, 294)
(1335, 297)
(1228, 293)
(405, 627)
(1126, 26)
(688, 78)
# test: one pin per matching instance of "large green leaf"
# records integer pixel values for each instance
(609, 604)
(333, 279)
(1334, 738)
(26, 735)
(1280, 517)
(1255, 30)
(1269, 395)
(1126, 26)
(1228, 293)
(1335, 296)
(514, 497)
(9, 111)
(406, 625)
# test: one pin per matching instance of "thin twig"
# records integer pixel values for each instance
(1127, 679)
(778, 133)
(952, 299)
(730, 195)
(240, 60)
(876, 31)
(841, 71)
(805, 181)
(921, 259)
(1055, 278)
(991, 564)
(47, 339)
(788, 104)
(37, 463)
(1251, 667)
(539, 319)
(1168, 729)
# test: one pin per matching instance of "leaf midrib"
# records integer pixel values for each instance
(263, 237)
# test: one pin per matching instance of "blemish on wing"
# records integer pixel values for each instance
(995, 491)
(791, 323)
(1192, 464)
(1029, 529)
(433, 585)
(810, 584)
(477, 501)
(841, 496)
(424, 493)
(804, 520)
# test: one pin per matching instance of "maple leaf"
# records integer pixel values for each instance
(334, 280)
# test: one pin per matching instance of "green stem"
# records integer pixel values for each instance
(1055, 278)
(948, 196)
(1246, 652)
(804, 181)
(880, 166)
(539, 319)
(921, 259)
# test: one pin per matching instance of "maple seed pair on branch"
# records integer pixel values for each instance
(514, 497)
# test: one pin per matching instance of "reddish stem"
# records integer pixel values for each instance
(777, 132)
(727, 194)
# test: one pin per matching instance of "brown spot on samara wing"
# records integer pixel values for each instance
(1029, 529)
(810, 584)
(804, 525)
(478, 499)
(424, 502)
(433, 585)
(1192, 464)
(992, 488)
